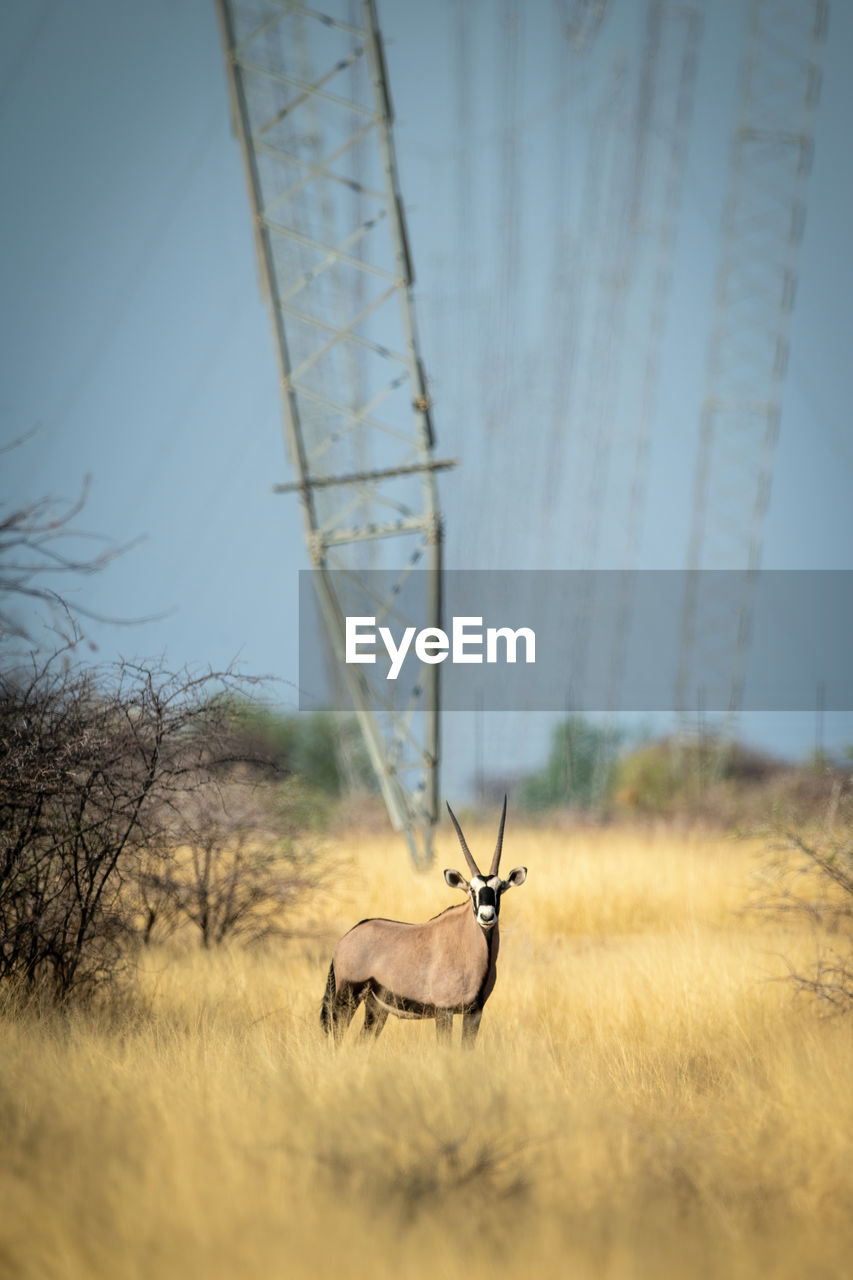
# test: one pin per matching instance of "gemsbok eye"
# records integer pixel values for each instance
(443, 967)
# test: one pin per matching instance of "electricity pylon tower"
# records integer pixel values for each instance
(313, 114)
(763, 220)
(639, 162)
(672, 41)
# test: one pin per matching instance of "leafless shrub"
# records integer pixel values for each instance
(95, 766)
(235, 863)
(429, 1169)
(831, 981)
(811, 876)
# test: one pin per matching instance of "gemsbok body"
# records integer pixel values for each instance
(434, 970)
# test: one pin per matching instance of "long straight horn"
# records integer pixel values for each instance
(497, 858)
(475, 870)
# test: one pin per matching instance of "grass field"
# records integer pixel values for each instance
(644, 1101)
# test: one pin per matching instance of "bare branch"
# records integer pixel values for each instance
(37, 542)
(812, 878)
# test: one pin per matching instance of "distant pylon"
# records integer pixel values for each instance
(673, 35)
(763, 220)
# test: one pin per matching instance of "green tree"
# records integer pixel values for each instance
(579, 767)
(323, 749)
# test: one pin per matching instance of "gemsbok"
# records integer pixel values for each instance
(447, 965)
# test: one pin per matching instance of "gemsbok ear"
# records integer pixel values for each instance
(515, 878)
(456, 881)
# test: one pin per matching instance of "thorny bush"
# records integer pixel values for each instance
(95, 766)
(812, 877)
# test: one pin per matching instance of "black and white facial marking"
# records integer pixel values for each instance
(486, 892)
(486, 899)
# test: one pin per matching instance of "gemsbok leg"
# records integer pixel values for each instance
(339, 1005)
(470, 1026)
(443, 1026)
(375, 1016)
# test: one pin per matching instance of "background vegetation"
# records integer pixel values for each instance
(598, 772)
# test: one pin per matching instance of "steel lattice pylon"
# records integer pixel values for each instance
(633, 189)
(673, 33)
(313, 114)
(763, 219)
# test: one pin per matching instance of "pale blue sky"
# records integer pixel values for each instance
(134, 336)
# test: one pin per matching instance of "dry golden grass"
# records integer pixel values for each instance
(643, 1101)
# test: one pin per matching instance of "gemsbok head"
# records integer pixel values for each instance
(447, 965)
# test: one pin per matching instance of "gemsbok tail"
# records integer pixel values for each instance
(327, 1009)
